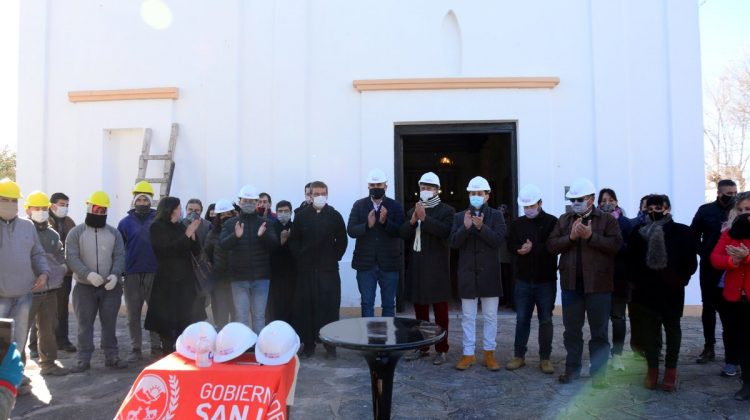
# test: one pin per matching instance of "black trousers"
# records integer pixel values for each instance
(737, 329)
(711, 296)
(649, 327)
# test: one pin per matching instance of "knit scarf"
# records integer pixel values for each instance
(653, 233)
(434, 201)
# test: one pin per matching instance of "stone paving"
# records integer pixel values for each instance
(340, 389)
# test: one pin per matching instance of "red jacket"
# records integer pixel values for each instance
(737, 278)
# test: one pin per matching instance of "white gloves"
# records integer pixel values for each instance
(111, 282)
(95, 279)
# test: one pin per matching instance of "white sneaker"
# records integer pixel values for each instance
(617, 363)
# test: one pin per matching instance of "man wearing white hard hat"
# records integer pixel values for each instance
(222, 305)
(477, 233)
(587, 240)
(427, 228)
(318, 241)
(375, 222)
(535, 273)
(249, 240)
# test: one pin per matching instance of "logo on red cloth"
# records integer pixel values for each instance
(152, 399)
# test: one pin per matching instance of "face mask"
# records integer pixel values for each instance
(531, 213)
(192, 216)
(8, 210)
(607, 207)
(377, 193)
(247, 208)
(425, 195)
(40, 216)
(96, 220)
(284, 217)
(142, 208)
(476, 201)
(726, 199)
(656, 216)
(579, 208)
(60, 212)
(319, 201)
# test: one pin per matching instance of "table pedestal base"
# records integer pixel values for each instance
(382, 365)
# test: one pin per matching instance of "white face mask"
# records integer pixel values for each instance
(425, 195)
(319, 201)
(60, 212)
(40, 216)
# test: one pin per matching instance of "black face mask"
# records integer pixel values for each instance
(740, 228)
(656, 216)
(142, 208)
(726, 200)
(377, 193)
(96, 220)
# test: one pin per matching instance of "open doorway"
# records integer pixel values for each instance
(456, 152)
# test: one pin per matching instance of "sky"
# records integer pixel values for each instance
(724, 29)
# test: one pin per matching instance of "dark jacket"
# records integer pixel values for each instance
(381, 244)
(662, 291)
(216, 256)
(539, 265)
(478, 262)
(597, 252)
(172, 304)
(621, 280)
(429, 274)
(706, 227)
(135, 231)
(318, 240)
(250, 255)
(62, 227)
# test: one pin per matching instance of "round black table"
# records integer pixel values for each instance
(382, 341)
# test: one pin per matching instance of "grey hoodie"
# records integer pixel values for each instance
(99, 250)
(22, 258)
(54, 253)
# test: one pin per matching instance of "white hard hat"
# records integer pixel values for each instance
(277, 344)
(429, 178)
(223, 206)
(249, 192)
(478, 184)
(529, 195)
(581, 187)
(376, 176)
(187, 342)
(233, 340)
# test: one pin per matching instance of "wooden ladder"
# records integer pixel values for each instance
(165, 182)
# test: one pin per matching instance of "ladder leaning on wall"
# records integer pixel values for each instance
(165, 182)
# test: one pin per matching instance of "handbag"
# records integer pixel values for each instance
(203, 274)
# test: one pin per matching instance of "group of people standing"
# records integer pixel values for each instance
(250, 263)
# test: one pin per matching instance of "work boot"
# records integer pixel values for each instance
(652, 377)
(546, 366)
(568, 377)
(416, 355)
(80, 367)
(54, 370)
(116, 363)
(489, 361)
(465, 362)
(744, 393)
(67, 347)
(135, 356)
(669, 383)
(440, 358)
(515, 363)
(708, 355)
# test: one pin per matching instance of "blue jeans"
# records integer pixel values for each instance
(527, 296)
(368, 282)
(251, 297)
(576, 309)
(17, 308)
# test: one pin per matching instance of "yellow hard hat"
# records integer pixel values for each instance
(9, 189)
(99, 198)
(37, 199)
(143, 187)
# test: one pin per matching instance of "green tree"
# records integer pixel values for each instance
(7, 163)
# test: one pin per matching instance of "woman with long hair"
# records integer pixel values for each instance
(171, 306)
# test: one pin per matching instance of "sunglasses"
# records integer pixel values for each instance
(578, 200)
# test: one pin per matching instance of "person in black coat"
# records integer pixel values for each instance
(172, 305)
(317, 241)
(706, 226)
(661, 259)
(375, 222)
(283, 268)
(477, 234)
(427, 228)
